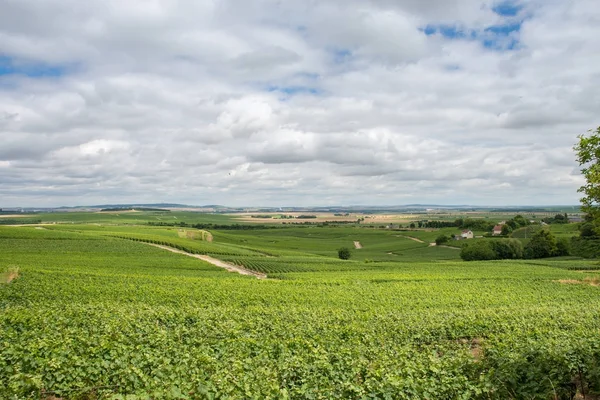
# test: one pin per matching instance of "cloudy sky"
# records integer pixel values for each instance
(295, 102)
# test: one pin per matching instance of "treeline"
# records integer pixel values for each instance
(476, 224)
(135, 209)
(587, 245)
(543, 244)
(233, 227)
(467, 223)
(19, 221)
(239, 227)
(557, 219)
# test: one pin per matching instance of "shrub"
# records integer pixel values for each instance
(344, 253)
(441, 239)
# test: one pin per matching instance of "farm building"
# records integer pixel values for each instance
(467, 234)
(497, 230)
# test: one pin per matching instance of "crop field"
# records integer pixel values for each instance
(90, 310)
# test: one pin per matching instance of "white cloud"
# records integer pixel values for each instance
(282, 103)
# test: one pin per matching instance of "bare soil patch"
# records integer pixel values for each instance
(195, 235)
(595, 281)
(14, 215)
(475, 345)
(213, 261)
(9, 276)
(322, 216)
(357, 245)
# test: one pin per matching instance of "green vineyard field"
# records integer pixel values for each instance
(95, 312)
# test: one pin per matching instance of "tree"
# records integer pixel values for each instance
(520, 220)
(507, 249)
(441, 239)
(563, 247)
(588, 156)
(506, 230)
(481, 250)
(344, 253)
(541, 245)
(587, 230)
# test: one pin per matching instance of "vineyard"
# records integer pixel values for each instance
(96, 313)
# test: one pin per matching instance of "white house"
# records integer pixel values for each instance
(466, 234)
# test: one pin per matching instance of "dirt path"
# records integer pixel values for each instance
(33, 225)
(213, 261)
(411, 238)
(449, 247)
(357, 245)
(443, 245)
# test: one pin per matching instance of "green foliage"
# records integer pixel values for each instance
(19, 221)
(521, 221)
(587, 247)
(94, 316)
(507, 249)
(541, 245)
(588, 157)
(479, 250)
(441, 240)
(492, 249)
(344, 253)
(587, 230)
(475, 224)
(526, 232)
(557, 219)
(563, 247)
(506, 229)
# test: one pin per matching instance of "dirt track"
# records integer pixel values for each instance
(411, 238)
(444, 246)
(213, 261)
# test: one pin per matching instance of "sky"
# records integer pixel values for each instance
(296, 102)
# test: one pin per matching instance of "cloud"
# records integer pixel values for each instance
(292, 103)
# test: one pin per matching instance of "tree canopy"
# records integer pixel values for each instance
(588, 156)
(542, 244)
(344, 253)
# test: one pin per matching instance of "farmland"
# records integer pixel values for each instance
(93, 311)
